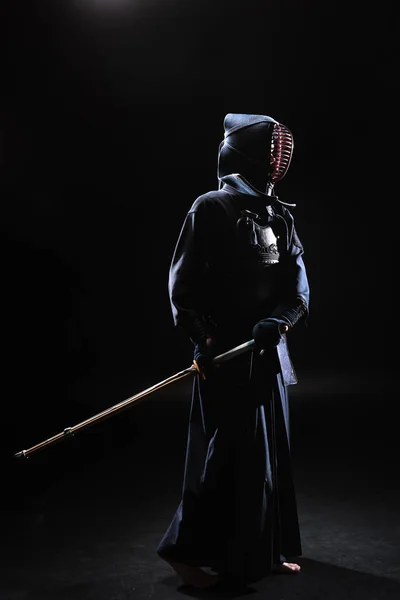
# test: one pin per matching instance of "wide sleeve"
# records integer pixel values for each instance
(186, 275)
(295, 300)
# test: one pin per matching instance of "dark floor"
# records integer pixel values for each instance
(82, 519)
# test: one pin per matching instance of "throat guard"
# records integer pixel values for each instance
(260, 237)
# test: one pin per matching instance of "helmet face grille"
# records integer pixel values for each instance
(281, 151)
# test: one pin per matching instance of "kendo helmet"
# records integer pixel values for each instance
(256, 148)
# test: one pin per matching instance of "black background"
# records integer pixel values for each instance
(111, 116)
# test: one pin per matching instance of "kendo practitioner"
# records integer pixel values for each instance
(237, 274)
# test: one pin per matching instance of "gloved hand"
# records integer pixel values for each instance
(267, 333)
(202, 358)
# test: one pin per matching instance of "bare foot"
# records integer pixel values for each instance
(194, 576)
(287, 568)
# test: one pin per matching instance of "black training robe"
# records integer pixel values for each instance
(238, 511)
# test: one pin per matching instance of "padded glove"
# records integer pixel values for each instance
(267, 333)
